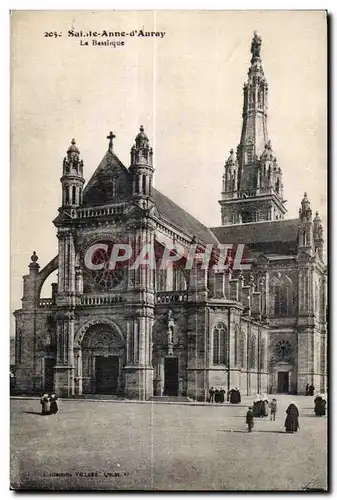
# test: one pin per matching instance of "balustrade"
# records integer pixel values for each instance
(46, 302)
(169, 297)
(83, 213)
(98, 300)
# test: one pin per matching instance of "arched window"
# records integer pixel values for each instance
(80, 196)
(282, 296)
(220, 344)
(304, 238)
(252, 354)
(143, 184)
(277, 186)
(67, 197)
(242, 350)
(74, 195)
(179, 279)
(161, 280)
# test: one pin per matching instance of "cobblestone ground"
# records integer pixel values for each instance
(101, 445)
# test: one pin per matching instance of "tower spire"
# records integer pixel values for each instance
(257, 191)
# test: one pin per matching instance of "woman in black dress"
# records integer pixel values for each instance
(53, 404)
(292, 423)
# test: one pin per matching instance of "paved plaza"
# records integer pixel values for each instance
(101, 445)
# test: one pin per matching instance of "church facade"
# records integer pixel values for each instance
(145, 331)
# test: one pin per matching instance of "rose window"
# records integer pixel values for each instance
(104, 278)
(283, 348)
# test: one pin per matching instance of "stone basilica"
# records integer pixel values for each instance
(142, 333)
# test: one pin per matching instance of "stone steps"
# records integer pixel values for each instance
(170, 399)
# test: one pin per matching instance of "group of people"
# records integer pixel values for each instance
(309, 390)
(260, 409)
(217, 395)
(48, 404)
(260, 406)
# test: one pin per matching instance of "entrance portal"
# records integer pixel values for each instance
(107, 370)
(171, 377)
(49, 364)
(283, 382)
(100, 361)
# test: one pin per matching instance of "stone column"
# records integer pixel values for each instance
(139, 370)
(220, 285)
(64, 370)
(228, 277)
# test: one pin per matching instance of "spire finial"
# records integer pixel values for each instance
(34, 258)
(256, 46)
(111, 137)
(73, 149)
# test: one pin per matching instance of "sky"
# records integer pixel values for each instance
(184, 87)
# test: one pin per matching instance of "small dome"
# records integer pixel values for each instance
(305, 202)
(317, 218)
(142, 136)
(73, 148)
(34, 258)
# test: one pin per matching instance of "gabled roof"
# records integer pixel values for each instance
(270, 236)
(110, 172)
(99, 191)
(180, 218)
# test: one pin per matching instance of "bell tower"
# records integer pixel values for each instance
(252, 190)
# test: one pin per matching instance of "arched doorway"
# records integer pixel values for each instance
(100, 361)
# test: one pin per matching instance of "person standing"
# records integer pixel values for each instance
(320, 404)
(273, 409)
(291, 423)
(264, 406)
(211, 394)
(307, 390)
(250, 419)
(45, 404)
(53, 404)
(217, 395)
(235, 397)
(311, 390)
(222, 395)
(257, 406)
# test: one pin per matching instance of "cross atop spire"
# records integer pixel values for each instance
(111, 137)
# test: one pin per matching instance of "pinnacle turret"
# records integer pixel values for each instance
(141, 165)
(72, 179)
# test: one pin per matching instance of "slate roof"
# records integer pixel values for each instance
(99, 189)
(271, 236)
(98, 192)
(180, 218)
